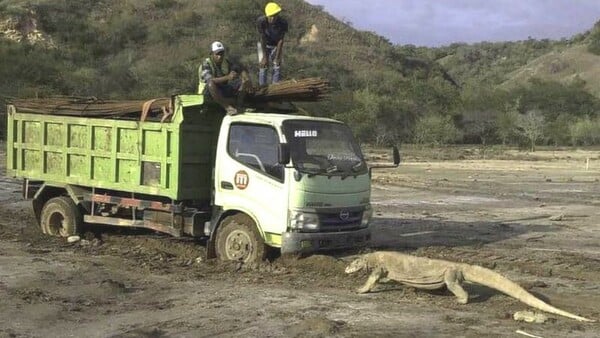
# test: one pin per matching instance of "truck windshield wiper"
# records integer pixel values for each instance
(355, 167)
(333, 169)
(312, 171)
(319, 171)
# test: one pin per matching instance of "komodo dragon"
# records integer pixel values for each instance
(430, 274)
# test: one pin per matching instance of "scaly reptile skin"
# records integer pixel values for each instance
(425, 273)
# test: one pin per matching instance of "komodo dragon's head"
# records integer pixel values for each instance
(357, 265)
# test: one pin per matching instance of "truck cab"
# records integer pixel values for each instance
(302, 182)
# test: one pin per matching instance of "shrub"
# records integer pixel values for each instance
(585, 132)
(436, 130)
(558, 131)
(362, 118)
(531, 126)
(594, 40)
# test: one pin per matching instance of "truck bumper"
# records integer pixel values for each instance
(302, 242)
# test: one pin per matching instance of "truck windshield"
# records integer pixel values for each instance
(323, 148)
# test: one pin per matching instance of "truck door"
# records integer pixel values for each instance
(249, 178)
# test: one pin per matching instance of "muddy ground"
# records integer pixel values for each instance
(534, 218)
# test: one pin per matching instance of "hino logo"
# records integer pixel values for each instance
(344, 214)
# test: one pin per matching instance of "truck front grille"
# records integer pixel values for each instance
(333, 221)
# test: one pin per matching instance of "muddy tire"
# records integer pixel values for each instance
(238, 239)
(60, 217)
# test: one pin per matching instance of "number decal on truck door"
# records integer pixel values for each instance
(241, 179)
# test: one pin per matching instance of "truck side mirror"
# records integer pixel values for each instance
(283, 154)
(396, 156)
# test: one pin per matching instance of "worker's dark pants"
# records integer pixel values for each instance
(262, 72)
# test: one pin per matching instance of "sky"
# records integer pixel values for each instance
(435, 23)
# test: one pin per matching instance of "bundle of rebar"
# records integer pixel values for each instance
(309, 89)
(92, 107)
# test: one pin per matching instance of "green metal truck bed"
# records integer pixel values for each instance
(171, 159)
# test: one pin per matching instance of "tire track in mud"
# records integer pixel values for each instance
(180, 258)
(185, 257)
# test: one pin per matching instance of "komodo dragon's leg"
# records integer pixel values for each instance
(375, 276)
(453, 278)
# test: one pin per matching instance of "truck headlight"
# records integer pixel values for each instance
(366, 217)
(300, 220)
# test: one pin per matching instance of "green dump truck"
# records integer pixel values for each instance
(263, 179)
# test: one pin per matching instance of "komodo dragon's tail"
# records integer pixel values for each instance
(489, 278)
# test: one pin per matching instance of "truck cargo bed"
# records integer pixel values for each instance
(172, 158)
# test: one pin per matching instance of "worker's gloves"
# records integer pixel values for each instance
(232, 75)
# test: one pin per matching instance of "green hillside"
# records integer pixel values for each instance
(507, 85)
(510, 64)
(490, 62)
(141, 48)
(571, 65)
(388, 94)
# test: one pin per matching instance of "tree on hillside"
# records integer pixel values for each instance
(594, 40)
(481, 107)
(436, 130)
(553, 98)
(362, 118)
(585, 131)
(531, 125)
(244, 15)
(506, 121)
(557, 132)
(377, 118)
(482, 128)
(395, 121)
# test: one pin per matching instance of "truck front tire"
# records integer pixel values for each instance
(60, 217)
(238, 240)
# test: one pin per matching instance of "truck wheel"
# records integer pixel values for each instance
(60, 217)
(239, 240)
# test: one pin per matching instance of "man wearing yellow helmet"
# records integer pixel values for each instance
(272, 28)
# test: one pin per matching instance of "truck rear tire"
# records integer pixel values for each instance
(238, 240)
(60, 217)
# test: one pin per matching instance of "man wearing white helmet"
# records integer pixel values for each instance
(223, 80)
(272, 28)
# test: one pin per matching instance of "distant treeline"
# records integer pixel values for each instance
(387, 93)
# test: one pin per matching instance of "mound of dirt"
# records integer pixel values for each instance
(324, 265)
(315, 327)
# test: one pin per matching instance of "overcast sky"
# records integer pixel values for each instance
(442, 22)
